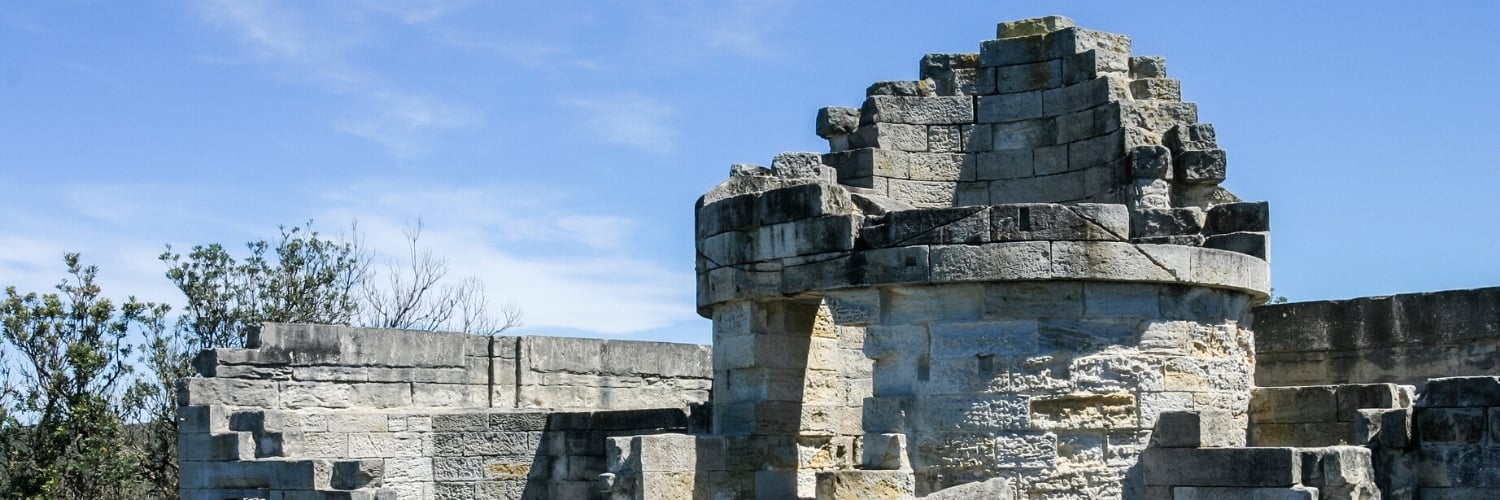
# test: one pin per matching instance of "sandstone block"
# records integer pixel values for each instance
(834, 121)
(1156, 117)
(801, 202)
(943, 167)
(970, 194)
(802, 165)
(1165, 89)
(1242, 467)
(1049, 160)
(901, 88)
(1004, 164)
(928, 226)
(1032, 26)
(1340, 471)
(1074, 40)
(1255, 244)
(1091, 64)
(994, 489)
(1213, 493)
(1029, 77)
(1191, 137)
(897, 265)
(227, 446)
(977, 138)
(1151, 162)
(1098, 150)
(1461, 392)
(945, 138)
(869, 162)
(1148, 67)
(229, 392)
(1166, 221)
(1084, 95)
(1201, 167)
(1242, 216)
(1460, 493)
(1009, 107)
(957, 74)
(356, 474)
(918, 110)
(1056, 188)
(195, 419)
(1317, 403)
(1119, 261)
(1029, 134)
(896, 136)
(924, 194)
(1013, 50)
(1388, 428)
(995, 261)
(1451, 425)
(1146, 194)
(1197, 429)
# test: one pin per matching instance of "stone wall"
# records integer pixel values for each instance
(315, 411)
(1029, 248)
(1403, 339)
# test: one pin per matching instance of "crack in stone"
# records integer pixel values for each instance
(1091, 220)
(1153, 260)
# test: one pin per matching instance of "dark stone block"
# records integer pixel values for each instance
(1460, 392)
(1248, 243)
(1150, 162)
(1201, 167)
(1355, 397)
(927, 227)
(1252, 467)
(730, 214)
(1451, 425)
(1241, 216)
(1198, 136)
(1152, 222)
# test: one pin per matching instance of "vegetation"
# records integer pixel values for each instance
(88, 408)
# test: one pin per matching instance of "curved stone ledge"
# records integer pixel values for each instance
(990, 262)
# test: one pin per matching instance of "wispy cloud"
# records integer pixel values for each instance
(568, 270)
(738, 27)
(301, 44)
(553, 57)
(415, 11)
(630, 120)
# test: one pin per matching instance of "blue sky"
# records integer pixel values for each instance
(555, 151)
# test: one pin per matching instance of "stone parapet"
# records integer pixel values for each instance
(1402, 339)
(316, 411)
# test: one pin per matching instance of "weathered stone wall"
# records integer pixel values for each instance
(1403, 339)
(337, 412)
(1030, 247)
(1054, 385)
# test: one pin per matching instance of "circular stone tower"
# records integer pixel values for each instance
(1004, 269)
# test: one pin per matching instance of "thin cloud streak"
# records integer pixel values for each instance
(629, 120)
(282, 36)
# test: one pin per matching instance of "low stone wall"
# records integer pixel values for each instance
(1319, 415)
(314, 411)
(1402, 339)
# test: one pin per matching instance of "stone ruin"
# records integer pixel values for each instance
(1014, 277)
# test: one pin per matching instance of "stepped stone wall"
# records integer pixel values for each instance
(316, 411)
